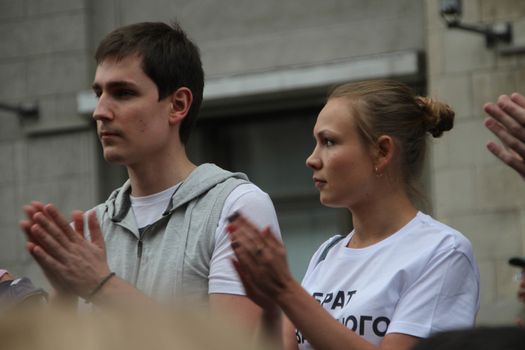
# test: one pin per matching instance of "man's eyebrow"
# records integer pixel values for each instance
(114, 85)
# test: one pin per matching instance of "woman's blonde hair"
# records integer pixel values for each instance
(389, 107)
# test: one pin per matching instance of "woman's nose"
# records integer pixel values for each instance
(313, 160)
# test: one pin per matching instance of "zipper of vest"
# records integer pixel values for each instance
(139, 249)
(140, 243)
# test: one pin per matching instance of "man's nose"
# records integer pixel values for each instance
(102, 110)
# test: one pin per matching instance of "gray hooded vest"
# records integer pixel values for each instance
(171, 257)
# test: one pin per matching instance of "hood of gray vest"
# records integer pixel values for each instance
(201, 180)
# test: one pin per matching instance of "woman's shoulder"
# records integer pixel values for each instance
(443, 235)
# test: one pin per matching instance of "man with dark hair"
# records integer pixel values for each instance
(163, 233)
(171, 60)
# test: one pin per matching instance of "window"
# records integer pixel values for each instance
(271, 148)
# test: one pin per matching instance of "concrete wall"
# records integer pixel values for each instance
(472, 190)
(244, 36)
(43, 58)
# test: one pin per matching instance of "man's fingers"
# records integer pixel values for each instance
(37, 206)
(25, 225)
(494, 111)
(48, 243)
(47, 228)
(63, 225)
(94, 230)
(78, 222)
(512, 124)
(507, 157)
(46, 262)
(30, 246)
(29, 211)
(32, 208)
(506, 138)
(518, 99)
(514, 114)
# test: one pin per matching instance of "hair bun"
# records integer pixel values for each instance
(439, 117)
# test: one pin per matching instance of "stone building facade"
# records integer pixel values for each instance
(471, 189)
(268, 67)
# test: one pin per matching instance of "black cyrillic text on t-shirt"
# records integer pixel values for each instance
(340, 299)
(358, 324)
(361, 324)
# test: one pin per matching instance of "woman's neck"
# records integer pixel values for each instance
(380, 218)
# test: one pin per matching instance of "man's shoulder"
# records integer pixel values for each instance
(247, 189)
(212, 174)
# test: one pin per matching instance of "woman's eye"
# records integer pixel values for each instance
(328, 142)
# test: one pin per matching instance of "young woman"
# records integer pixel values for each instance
(399, 275)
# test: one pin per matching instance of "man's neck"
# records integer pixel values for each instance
(152, 177)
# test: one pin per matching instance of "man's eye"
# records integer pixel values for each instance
(124, 93)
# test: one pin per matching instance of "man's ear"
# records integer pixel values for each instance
(385, 148)
(181, 100)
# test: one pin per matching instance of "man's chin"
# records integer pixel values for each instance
(114, 158)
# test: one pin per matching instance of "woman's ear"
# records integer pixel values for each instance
(384, 153)
(181, 100)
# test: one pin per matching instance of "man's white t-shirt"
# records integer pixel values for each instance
(420, 280)
(247, 199)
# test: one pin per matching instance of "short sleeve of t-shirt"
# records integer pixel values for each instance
(441, 298)
(257, 206)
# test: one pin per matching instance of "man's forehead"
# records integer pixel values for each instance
(119, 57)
(125, 69)
(114, 62)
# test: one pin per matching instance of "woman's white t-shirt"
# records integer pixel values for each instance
(420, 280)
